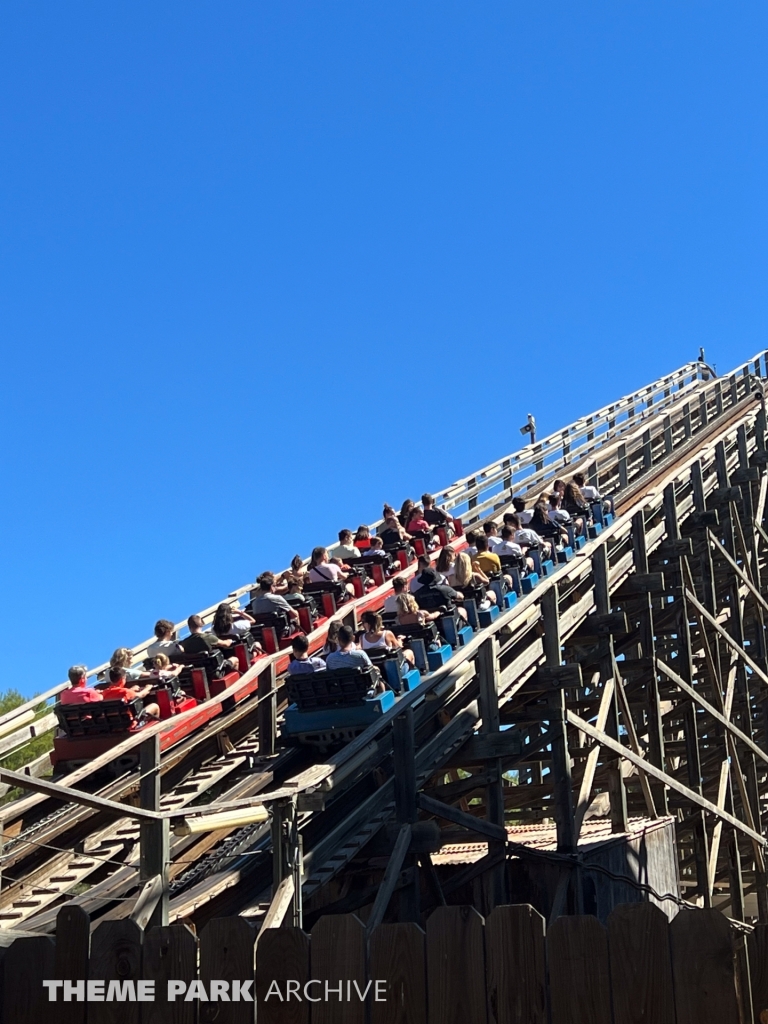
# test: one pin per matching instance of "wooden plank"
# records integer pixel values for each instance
(26, 964)
(115, 956)
(170, 953)
(757, 944)
(703, 969)
(76, 796)
(668, 780)
(585, 790)
(226, 954)
(337, 956)
(641, 965)
(579, 971)
(456, 966)
(515, 966)
(450, 813)
(282, 955)
(73, 940)
(398, 957)
(391, 875)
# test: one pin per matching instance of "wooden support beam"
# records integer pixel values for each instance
(280, 905)
(724, 635)
(717, 715)
(68, 795)
(391, 876)
(453, 814)
(585, 791)
(487, 664)
(668, 780)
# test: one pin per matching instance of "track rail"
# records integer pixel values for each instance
(629, 457)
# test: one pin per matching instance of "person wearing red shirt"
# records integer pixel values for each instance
(116, 689)
(79, 692)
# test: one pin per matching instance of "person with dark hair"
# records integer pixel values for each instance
(230, 621)
(559, 516)
(491, 531)
(575, 504)
(471, 538)
(291, 575)
(507, 544)
(268, 602)
(445, 563)
(422, 564)
(543, 526)
(391, 532)
(405, 512)
(377, 638)
(199, 642)
(302, 663)
(165, 642)
(323, 570)
(332, 638)
(390, 605)
(432, 593)
(590, 493)
(345, 548)
(486, 561)
(117, 687)
(436, 517)
(376, 548)
(524, 514)
(79, 691)
(558, 487)
(348, 655)
(363, 534)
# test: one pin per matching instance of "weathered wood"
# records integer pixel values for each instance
(115, 956)
(282, 955)
(337, 956)
(641, 967)
(26, 964)
(170, 953)
(226, 951)
(456, 966)
(757, 944)
(703, 969)
(73, 940)
(267, 711)
(579, 971)
(515, 966)
(398, 957)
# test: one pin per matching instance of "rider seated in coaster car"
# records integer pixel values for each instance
(323, 570)
(267, 602)
(199, 642)
(436, 517)
(350, 656)
(79, 691)
(118, 687)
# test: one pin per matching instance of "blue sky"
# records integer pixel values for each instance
(266, 265)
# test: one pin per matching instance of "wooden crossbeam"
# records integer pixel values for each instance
(657, 773)
(726, 636)
(738, 570)
(585, 790)
(391, 875)
(673, 677)
(76, 796)
(441, 810)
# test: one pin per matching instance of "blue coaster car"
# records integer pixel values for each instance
(330, 708)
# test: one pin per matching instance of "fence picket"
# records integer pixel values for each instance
(337, 956)
(73, 940)
(115, 956)
(27, 962)
(456, 966)
(758, 969)
(516, 970)
(282, 955)
(169, 954)
(398, 957)
(226, 954)
(579, 971)
(703, 968)
(641, 965)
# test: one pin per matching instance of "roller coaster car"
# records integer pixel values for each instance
(206, 674)
(377, 567)
(328, 594)
(330, 708)
(92, 729)
(275, 630)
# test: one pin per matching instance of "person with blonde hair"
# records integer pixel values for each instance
(122, 658)
(467, 575)
(409, 613)
(162, 670)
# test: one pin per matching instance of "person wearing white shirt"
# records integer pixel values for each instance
(523, 513)
(345, 548)
(591, 493)
(491, 531)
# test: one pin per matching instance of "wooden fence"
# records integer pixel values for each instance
(508, 969)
